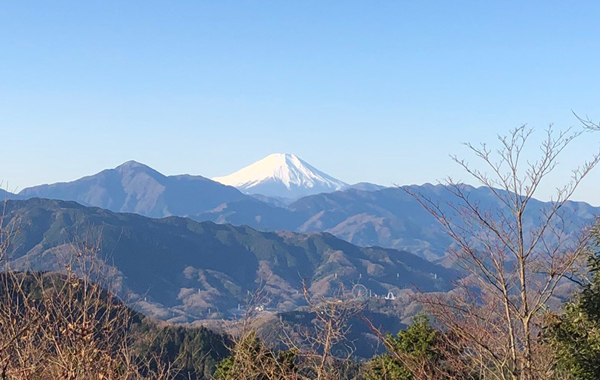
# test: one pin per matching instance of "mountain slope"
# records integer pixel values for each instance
(176, 265)
(282, 175)
(4, 195)
(134, 187)
(366, 186)
(388, 218)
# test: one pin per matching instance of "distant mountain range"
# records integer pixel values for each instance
(134, 187)
(388, 218)
(7, 195)
(282, 176)
(181, 270)
(362, 214)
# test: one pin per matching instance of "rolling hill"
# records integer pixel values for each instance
(389, 217)
(179, 269)
(364, 215)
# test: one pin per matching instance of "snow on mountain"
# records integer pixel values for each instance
(283, 176)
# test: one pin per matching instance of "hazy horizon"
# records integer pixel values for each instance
(379, 93)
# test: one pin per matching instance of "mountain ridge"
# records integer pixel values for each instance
(388, 218)
(364, 215)
(135, 187)
(177, 265)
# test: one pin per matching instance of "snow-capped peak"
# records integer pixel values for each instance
(282, 175)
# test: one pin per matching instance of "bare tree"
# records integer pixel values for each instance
(317, 352)
(419, 352)
(65, 325)
(588, 123)
(330, 330)
(514, 268)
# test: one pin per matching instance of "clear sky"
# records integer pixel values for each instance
(379, 91)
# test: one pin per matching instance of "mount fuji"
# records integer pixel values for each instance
(282, 176)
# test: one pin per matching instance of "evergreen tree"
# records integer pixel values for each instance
(413, 347)
(575, 335)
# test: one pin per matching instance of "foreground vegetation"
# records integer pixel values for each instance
(65, 326)
(503, 320)
(56, 326)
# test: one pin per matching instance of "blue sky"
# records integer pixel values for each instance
(379, 91)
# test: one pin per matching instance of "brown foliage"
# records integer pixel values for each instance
(320, 352)
(514, 269)
(64, 326)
